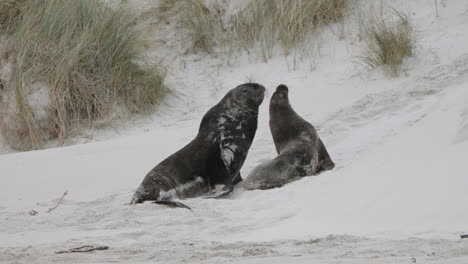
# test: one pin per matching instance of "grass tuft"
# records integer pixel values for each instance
(260, 26)
(88, 55)
(265, 22)
(203, 25)
(10, 11)
(388, 43)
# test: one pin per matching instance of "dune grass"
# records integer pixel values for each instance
(388, 43)
(88, 55)
(261, 25)
(288, 22)
(202, 24)
(9, 13)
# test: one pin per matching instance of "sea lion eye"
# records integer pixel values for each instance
(245, 90)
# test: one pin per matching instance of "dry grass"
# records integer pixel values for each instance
(203, 25)
(166, 5)
(289, 22)
(10, 11)
(260, 26)
(388, 43)
(89, 57)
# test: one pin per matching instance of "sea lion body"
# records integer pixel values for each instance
(210, 164)
(300, 150)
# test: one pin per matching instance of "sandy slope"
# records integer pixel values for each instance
(398, 192)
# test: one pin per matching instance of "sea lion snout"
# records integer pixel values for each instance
(255, 91)
(282, 88)
(280, 96)
(261, 90)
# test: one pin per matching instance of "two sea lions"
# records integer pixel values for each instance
(210, 164)
(301, 152)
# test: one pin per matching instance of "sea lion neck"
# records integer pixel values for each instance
(281, 108)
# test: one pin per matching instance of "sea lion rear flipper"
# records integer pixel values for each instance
(325, 161)
(172, 204)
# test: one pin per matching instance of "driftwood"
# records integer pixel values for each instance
(58, 203)
(32, 212)
(83, 249)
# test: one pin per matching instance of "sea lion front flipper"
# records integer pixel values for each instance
(172, 204)
(218, 195)
(221, 165)
(325, 161)
(223, 192)
(220, 179)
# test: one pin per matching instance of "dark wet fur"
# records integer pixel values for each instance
(300, 150)
(198, 167)
(286, 126)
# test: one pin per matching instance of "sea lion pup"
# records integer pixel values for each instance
(301, 152)
(210, 163)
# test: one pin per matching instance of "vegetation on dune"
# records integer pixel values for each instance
(202, 24)
(260, 24)
(10, 11)
(89, 57)
(288, 22)
(388, 43)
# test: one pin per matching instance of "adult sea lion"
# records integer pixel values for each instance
(301, 152)
(210, 164)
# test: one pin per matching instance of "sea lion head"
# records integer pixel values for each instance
(249, 94)
(280, 97)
